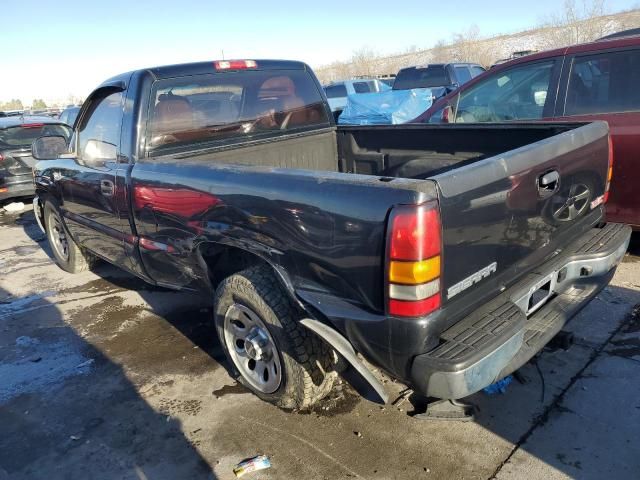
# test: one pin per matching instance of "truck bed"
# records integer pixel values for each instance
(326, 196)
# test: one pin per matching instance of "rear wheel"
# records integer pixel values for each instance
(269, 351)
(66, 252)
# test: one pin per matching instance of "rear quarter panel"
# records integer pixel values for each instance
(322, 231)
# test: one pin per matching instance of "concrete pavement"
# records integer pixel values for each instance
(103, 376)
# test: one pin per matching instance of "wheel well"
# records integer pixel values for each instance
(222, 261)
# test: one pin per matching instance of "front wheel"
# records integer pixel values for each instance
(270, 352)
(66, 252)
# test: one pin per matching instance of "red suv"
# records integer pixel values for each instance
(594, 81)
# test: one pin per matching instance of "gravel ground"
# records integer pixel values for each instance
(103, 376)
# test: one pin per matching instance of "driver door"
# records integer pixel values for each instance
(90, 197)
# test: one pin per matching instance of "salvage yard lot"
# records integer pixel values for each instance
(104, 376)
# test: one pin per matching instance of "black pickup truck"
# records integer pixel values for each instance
(446, 255)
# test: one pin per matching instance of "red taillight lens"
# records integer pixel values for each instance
(32, 125)
(419, 308)
(235, 64)
(415, 233)
(413, 263)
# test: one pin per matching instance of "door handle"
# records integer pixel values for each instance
(107, 188)
(548, 183)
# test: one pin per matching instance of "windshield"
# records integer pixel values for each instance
(519, 93)
(421, 77)
(24, 135)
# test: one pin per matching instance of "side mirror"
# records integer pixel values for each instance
(48, 148)
(96, 153)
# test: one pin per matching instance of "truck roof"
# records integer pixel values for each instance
(199, 68)
(16, 121)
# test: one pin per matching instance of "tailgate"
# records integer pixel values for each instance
(506, 214)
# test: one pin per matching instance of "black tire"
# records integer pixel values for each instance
(71, 259)
(307, 362)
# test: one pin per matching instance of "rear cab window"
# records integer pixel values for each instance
(604, 83)
(22, 136)
(335, 91)
(233, 107)
(363, 87)
(422, 77)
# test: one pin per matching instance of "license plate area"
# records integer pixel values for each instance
(539, 294)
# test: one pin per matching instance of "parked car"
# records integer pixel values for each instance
(337, 91)
(69, 115)
(447, 256)
(594, 81)
(441, 78)
(16, 136)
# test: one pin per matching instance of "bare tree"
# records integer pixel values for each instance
(364, 62)
(577, 22)
(13, 104)
(469, 46)
(440, 52)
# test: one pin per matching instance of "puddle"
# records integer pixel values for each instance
(39, 367)
(629, 345)
(10, 305)
(115, 283)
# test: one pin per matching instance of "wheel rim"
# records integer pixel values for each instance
(58, 236)
(252, 348)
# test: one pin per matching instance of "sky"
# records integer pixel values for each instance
(52, 50)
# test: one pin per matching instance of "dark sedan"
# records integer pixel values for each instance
(16, 136)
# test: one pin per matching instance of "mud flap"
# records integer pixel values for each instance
(344, 348)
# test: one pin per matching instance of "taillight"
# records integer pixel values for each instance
(32, 125)
(235, 64)
(609, 171)
(1, 157)
(413, 268)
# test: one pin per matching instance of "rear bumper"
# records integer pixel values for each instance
(500, 338)
(16, 186)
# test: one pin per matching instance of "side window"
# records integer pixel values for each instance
(462, 74)
(335, 91)
(519, 93)
(362, 87)
(604, 83)
(99, 133)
